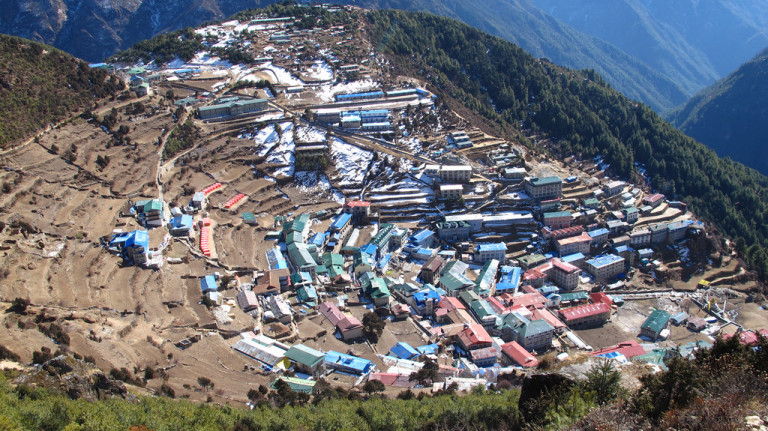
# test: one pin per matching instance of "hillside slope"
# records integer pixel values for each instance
(41, 85)
(731, 116)
(692, 42)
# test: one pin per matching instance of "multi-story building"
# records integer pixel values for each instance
(574, 244)
(453, 231)
(603, 268)
(460, 173)
(557, 220)
(640, 237)
(543, 188)
(486, 252)
(451, 191)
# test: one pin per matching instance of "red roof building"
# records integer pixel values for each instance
(529, 300)
(547, 316)
(748, 337)
(515, 353)
(451, 303)
(597, 297)
(585, 316)
(474, 337)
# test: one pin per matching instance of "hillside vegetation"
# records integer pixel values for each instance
(716, 389)
(582, 114)
(731, 116)
(41, 85)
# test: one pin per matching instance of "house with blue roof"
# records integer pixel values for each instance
(510, 279)
(487, 251)
(336, 361)
(275, 259)
(132, 246)
(599, 236)
(403, 350)
(424, 301)
(181, 225)
(208, 284)
(424, 238)
(605, 267)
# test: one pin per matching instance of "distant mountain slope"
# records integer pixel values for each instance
(731, 116)
(94, 30)
(692, 42)
(542, 35)
(41, 85)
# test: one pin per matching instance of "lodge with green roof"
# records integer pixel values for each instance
(654, 324)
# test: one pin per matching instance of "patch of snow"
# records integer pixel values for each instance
(328, 91)
(320, 71)
(317, 183)
(351, 161)
(283, 76)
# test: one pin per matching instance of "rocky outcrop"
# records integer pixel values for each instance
(75, 378)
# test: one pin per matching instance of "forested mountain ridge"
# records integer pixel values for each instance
(584, 115)
(731, 116)
(41, 85)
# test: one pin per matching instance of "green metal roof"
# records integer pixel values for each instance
(535, 327)
(656, 321)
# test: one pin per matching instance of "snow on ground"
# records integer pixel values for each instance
(283, 76)
(320, 71)
(282, 154)
(327, 91)
(351, 161)
(264, 140)
(413, 145)
(317, 183)
(310, 134)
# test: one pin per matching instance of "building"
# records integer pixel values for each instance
(659, 233)
(347, 363)
(604, 268)
(586, 316)
(486, 280)
(514, 354)
(232, 107)
(483, 357)
(455, 174)
(613, 188)
(562, 274)
(475, 221)
(247, 301)
(631, 214)
(306, 359)
(453, 231)
(451, 191)
(349, 327)
(486, 252)
(640, 237)
(431, 268)
(534, 335)
(654, 200)
(360, 210)
(474, 337)
(543, 188)
(599, 236)
(574, 244)
(557, 220)
(654, 324)
(403, 350)
(629, 349)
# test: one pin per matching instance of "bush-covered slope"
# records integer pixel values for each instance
(731, 116)
(584, 115)
(41, 85)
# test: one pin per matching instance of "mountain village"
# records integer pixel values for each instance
(338, 221)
